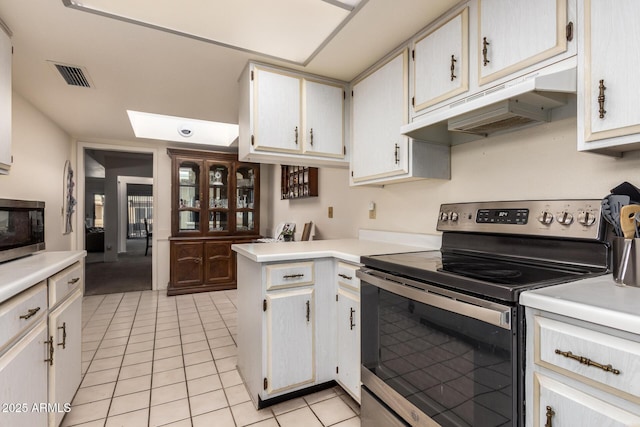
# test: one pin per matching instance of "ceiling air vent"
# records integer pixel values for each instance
(74, 76)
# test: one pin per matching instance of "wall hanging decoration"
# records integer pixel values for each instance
(69, 202)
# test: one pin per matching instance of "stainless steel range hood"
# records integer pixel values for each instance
(504, 108)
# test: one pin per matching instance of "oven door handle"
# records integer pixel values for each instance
(465, 305)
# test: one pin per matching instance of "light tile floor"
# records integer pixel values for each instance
(153, 360)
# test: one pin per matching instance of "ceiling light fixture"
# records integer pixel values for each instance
(185, 130)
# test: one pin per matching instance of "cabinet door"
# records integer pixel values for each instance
(349, 342)
(188, 197)
(219, 266)
(23, 375)
(65, 326)
(558, 404)
(324, 119)
(247, 199)
(5, 101)
(186, 263)
(440, 63)
(380, 107)
(276, 124)
(611, 56)
(518, 33)
(290, 330)
(219, 197)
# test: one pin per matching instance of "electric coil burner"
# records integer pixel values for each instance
(443, 333)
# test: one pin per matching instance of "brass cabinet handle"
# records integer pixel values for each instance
(30, 313)
(50, 343)
(485, 43)
(308, 310)
(73, 281)
(588, 362)
(311, 136)
(397, 153)
(601, 99)
(293, 276)
(550, 413)
(344, 276)
(296, 134)
(64, 335)
(351, 324)
(453, 67)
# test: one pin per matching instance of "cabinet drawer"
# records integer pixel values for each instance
(601, 360)
(559, 404)
(347, 276)
(22, 311)
(289, 275)
(64, 282)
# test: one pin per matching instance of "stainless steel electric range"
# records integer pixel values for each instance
(442, 331)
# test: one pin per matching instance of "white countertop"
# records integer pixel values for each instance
(19, 275)
(596, 300)
(346, 249)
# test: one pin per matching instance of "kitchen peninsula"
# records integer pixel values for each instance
(298, 313)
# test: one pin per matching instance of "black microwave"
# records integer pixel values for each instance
(21, 228)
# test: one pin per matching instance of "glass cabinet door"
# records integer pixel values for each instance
(245, 198)
(189, 197)
(218, 197)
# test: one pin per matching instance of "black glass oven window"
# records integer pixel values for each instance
(455, 369)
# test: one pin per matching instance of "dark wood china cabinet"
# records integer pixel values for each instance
(215, 202)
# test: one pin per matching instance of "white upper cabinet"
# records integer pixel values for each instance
(440, 62)
(324, 119)
(288, 117)
(515, 34)
(380, 103)
(277, 123)
(5, 100)
(380, 153)
(608, 87)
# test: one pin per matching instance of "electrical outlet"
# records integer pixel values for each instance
(372, 214)
(330, 212)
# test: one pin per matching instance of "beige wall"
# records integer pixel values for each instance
(40, 149)
(539, 162)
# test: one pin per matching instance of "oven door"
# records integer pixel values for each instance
(437, 357)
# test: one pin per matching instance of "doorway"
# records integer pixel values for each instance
(118, 195)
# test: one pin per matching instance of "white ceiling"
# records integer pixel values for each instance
(137, 67)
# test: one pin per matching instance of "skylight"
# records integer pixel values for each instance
(181, 129)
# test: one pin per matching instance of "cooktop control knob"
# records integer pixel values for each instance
(586, 218)
(444, 216)
(545, 217)
(453, 216)
(565, 218)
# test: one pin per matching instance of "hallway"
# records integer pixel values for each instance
(132, 271)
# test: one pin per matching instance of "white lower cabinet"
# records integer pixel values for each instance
(286, 327)
(557, 404)
(348, 370)
(40, 348)
(580, 373)
(23, 380)
(290, 331)
(65, 326)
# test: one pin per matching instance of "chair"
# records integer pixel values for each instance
(149, 234)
